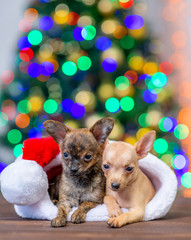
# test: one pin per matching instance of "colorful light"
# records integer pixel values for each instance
(72, 18)
(47, 68)
(26, 54)
(89, 32)
(24, 106)
(134, 22)
(77, 110)
(23, 42)
(31, 14)
(25, 25)
(103, 43)
(7, 77)
(34, 70)
(46, 23)
(109, 64)
(178, 161)
(181, 131)
(122, 83)
(69, 68)
(17, 150)
(84, 63)
(159, 79)
(50, 106)
(167, 124)
(14, 136)
(77, 34)
(145, 120)
(127, 104)
(35, 37)
(112, 105)
(33, 132)
(166, 68)
(22, 120)
(186, 180)
(149, 97)
(132, 76)
(3, 119)
(67, 105)
(160, 145)
(127, 42)
(126, 3)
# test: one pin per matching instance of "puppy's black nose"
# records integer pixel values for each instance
(115, 186)
(74, 169)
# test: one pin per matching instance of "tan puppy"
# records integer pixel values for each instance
(126, 185)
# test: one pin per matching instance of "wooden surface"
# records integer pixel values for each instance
(176, 225)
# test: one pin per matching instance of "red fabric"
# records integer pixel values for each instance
(41, 150)
(53, 172)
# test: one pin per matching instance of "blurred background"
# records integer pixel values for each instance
(78, 61)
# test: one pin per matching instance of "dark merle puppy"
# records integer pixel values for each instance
(82, 182)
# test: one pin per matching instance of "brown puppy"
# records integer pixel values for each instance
(126, 185)
(82, 182)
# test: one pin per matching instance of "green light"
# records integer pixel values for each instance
(88, 32)
(186, 180)
(127, 42)
(35, 37)
(160, 145)
(84, 63)
(151, 86)
(181, 131)
(3, 119)
(122, 83)
(69, 68)
(112, 105)
(159, 79)
(145, 120)
(14, 136)
(127, 104)
(17, 151)
(161, 126)
(24, 106)
(50, 106)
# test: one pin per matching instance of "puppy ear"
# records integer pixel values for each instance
(101, 129)
(145, 144)
(56, 129)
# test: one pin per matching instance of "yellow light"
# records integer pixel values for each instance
(106, 7)
(114, 53)
(45, 51)
(36, 103)
(131, 140)
(109, 26)
(72, 124)
(136, 63)
(60, 17)
(105, 91)
(117, 131)
(130, 91)
(87, 99)
(167, 158)
(138, 33)
(150, 68)
(89, 121)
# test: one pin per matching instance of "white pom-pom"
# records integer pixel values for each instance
(24, 182)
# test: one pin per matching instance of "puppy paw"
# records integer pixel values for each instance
(115, 212)
(114, 223)
(58, 222)
(78, 216)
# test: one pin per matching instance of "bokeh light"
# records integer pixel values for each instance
(50, 106)
(109, 65)
(84, 63)
(160, 145)
(167, 124)
(103, 43)
(34, 70)
(181, 131)
(112, 105)
(88, 32)
(14, 136)
(17, 150)
(127, 42)
(178, 161)
(47, 68)
(24, 106)
(3, 119)
(26, 54)
(186, 180)
(67, 105)
(31, 14)
(166, 67)
(69, 68)
(134, 22)
(145, 120)
(77, 110)
(149, 97)
(127, 104)
(122, 83)
(77, 34)
(46, 23)
(22, 120)
(23, 42)
(35, 37)
(7, 77)
(159, 79)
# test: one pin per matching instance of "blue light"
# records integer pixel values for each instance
(77, 110)
(77, 34)
(134, 22)
(34, 70)
(66, 105)
(34, 133)
(149, 97)
(103, 43)
(109, 65)
(47, 68)
(46, 23)
(2, 166)
(23, 43)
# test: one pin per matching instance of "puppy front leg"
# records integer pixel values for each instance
(113, 208)
(61, 218)
(135, 215)
(80, 214)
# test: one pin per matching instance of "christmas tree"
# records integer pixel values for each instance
(81, 60)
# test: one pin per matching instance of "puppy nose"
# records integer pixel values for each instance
(115, 185)
(73, 169)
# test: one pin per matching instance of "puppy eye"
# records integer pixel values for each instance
(106, 166)
(88, 157)
(65, 154)
(129, 169)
